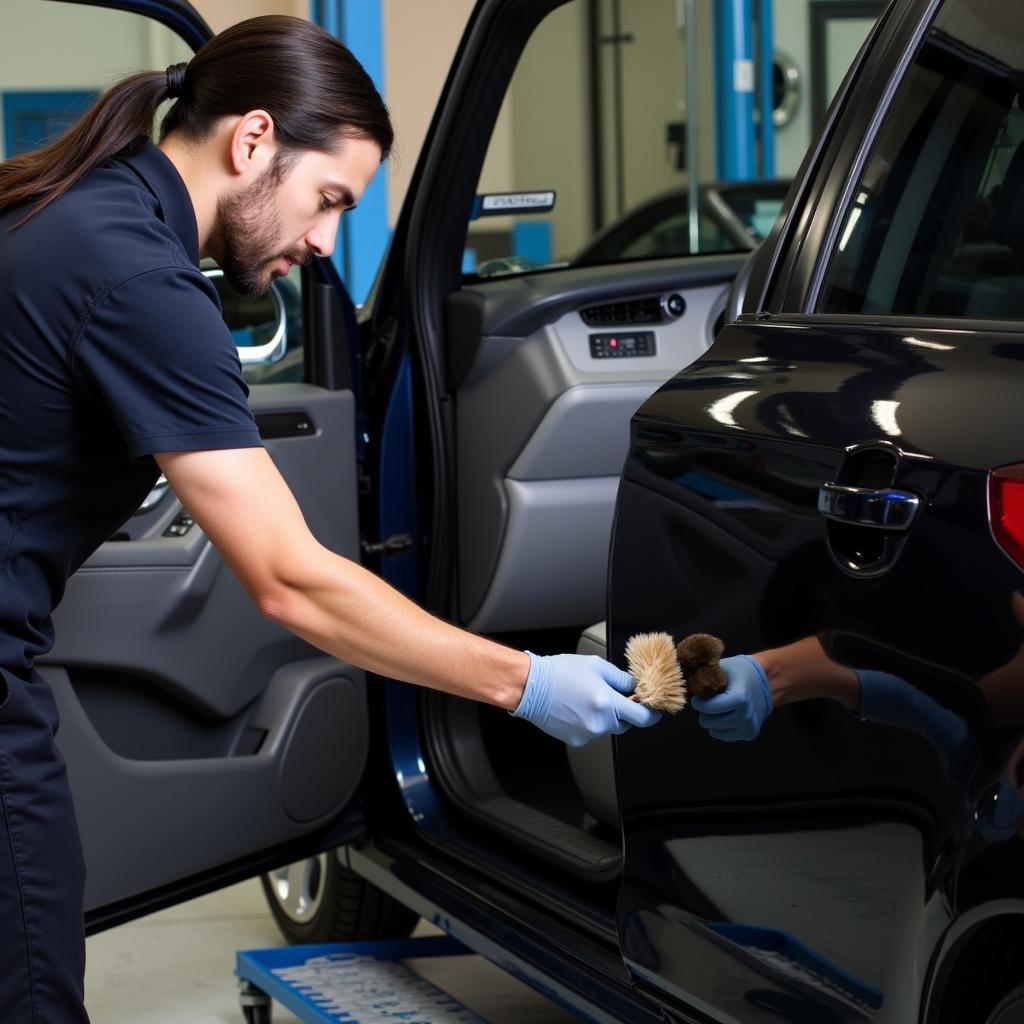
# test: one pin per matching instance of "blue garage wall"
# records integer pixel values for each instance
(364, 233)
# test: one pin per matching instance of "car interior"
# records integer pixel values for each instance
(543, 432)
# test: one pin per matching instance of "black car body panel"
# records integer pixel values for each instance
(718, 531)
(864, 853)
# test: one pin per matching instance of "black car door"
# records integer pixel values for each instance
(203, 740)
(843, 465)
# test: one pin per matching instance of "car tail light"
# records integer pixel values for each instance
(1006, 509)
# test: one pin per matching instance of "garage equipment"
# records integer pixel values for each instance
(349, 983)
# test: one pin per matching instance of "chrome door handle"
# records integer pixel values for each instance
(885, 509)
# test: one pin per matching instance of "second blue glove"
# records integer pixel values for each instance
(739, 711)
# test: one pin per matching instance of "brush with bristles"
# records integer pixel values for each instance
(664, 671)
(699, 655)
(653, 664)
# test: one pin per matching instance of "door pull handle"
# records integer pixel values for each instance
(882, 509)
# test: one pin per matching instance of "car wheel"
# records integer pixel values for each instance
(1010, 1009)
(319, 900)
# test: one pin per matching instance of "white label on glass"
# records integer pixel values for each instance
(508, 202)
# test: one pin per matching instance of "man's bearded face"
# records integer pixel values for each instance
(250, 234)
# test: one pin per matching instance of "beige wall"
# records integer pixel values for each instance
(550, 124)
(419, 43)
(219, 14)
(653, 94)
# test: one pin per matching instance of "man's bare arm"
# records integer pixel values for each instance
(803, 671)
(247, 510)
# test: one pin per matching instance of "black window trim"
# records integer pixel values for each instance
(841, 209)
(892, 322)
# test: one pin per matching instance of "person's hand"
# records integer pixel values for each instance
(739, 711)
(577, 698)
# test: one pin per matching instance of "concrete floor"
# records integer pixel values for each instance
(178, 965)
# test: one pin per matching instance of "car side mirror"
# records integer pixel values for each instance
(258, 324)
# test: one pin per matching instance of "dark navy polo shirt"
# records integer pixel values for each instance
(112, 347)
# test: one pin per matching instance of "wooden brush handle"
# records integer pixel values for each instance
(699, 655)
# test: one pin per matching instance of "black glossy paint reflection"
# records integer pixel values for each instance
(844, 847)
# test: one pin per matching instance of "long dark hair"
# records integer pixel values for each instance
(312, 86)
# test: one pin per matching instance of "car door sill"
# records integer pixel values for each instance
(519, 935)
(559, 843)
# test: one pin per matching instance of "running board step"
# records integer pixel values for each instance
(565, 845)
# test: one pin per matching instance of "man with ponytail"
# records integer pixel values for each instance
(115, 365)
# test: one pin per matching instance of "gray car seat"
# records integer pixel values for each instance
(593, 766)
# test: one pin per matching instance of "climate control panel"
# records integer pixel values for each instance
(622, 345)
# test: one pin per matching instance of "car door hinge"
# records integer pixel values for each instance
(394, 545)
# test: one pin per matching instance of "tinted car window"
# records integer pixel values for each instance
(936, 225)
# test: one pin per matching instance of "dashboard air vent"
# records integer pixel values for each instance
(633, 311)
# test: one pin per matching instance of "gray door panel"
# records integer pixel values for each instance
(196, 731)
(543, 428)
(146, 824)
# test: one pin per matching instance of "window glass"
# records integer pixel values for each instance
(597, 115)
(56, 59)
(937, 222)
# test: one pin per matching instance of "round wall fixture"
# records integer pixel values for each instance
(786, 88)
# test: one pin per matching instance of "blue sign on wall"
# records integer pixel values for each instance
(32, 119)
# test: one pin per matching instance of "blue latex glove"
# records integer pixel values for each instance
(576, 698)
(738, 712)
(889, 700)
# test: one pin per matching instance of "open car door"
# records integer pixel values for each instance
(203, 741)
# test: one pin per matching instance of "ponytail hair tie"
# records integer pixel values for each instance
(176, 80)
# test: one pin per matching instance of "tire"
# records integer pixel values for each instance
(319, 900)
(1009, 1009)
